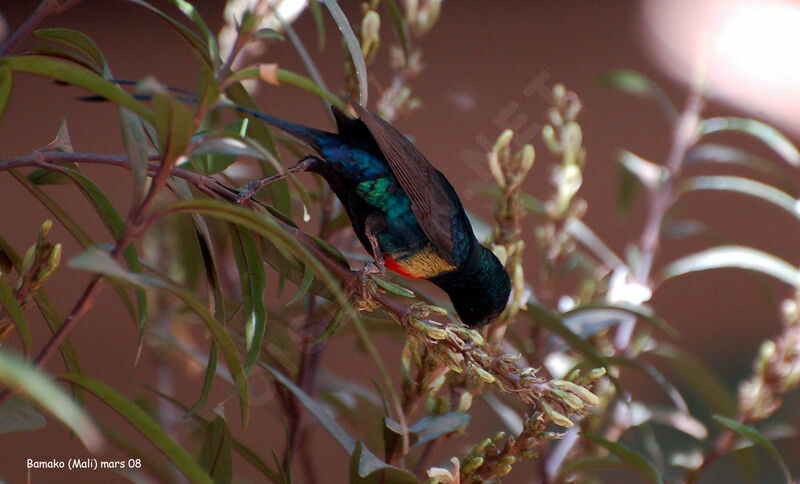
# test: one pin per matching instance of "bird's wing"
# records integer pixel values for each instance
(423, 184)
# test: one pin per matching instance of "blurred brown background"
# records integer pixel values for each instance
(484, 61)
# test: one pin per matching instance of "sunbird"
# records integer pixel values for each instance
(404, 211)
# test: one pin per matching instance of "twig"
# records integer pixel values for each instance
(662, 197)
(44, 10)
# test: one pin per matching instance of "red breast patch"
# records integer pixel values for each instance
(392, 265)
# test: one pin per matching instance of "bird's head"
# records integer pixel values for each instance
(479, 290)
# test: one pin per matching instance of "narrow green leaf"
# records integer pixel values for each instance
(589, 463)
(293, 79)
(639, 310)
(211, 40)
(18, 415)
(745, 186)
(144, 424)
(76, 76)
(633, 459)
(175, 125)
(270, 230)
(137, 149)
(253, 282)
(636, 84)
(556, 325)
(319, 412)
(366, 468)
(203, 238)
(115, 225)
(20, 375)
(77, 40)
(332, 327)
(215, 456)
(763, 132)
(655, 375)
(100, 262)
(308, 278)
(699, 377)
(9, 302)
(716, 153)
(238, 447)
(259, 132)
(393, 288)
(269, 34)
(751, 433)
(432, 427)
(72, 227)
(66, 54)
(316, 13)
(732, 256)
(399, 25)
(5, 89)
(353, 46)
(200, 47)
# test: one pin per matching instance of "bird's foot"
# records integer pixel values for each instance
(361, 296)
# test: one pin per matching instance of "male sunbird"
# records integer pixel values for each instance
(403, 210)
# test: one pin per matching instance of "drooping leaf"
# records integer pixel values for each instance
(308, 278)
(399, 25)
(732, 256)
(215, 456)
(19, 415)
(341, 436)
(253, 283)
(744, 186)
(78, 41)
(115, 225)
(716, 153)
(21, 376)
(763, 132)
(198, 45)
(269, 34)
(5, 89)
(635, 83)
(365, 468)
(245, 452)
(144, 424)
(332, 327)
(557, 326)
(8, 300)
(425, 430)
(751, 433)
(76, 76)
(589, 239)
(271, 230)
(699, 378)
(174, 124)
(137, 148)
(646, 172)
(210, 39)
(636, 461)
(353, 46)
(260, 133)
(640, 310)
(316, 13)
(72, 227)
(100, 262)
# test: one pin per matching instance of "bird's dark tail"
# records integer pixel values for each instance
(309, 135)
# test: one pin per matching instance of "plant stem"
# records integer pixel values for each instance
(662, 196)
(44, 10)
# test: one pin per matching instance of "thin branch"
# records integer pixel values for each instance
(44, 10)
